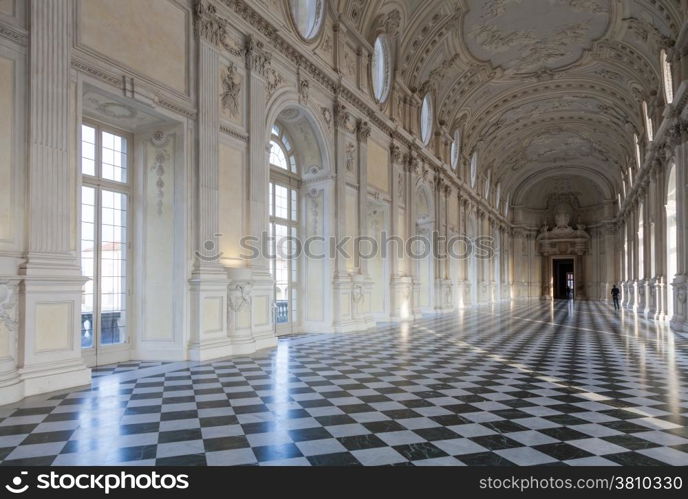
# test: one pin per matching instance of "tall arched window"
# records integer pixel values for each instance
(667, 77)
(456, 149)
(381, 69)
(638, 159)
(284, 226)
(649, 129)
(426, 117)
(671, 240)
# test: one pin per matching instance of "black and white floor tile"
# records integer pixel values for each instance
(123, 367)
(521, 384)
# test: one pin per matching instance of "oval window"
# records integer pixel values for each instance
(474, 168)
(381, 69)
(308, 16)
(456, 149)
(426, 119)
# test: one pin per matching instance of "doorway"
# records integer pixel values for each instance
(563, 278)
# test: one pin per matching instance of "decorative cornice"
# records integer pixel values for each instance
(234, 133)
(14, 33)
(104, 76)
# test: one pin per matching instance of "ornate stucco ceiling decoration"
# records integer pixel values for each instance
(539, 194)
(121, 113)
(537, 86)
(526, 36)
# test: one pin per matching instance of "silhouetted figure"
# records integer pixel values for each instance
(568, 292)
(615, 296)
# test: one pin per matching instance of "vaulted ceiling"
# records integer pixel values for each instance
(535, 85)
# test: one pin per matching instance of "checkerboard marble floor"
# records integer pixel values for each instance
(527, 383)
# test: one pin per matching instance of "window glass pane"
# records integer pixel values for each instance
(271, 200)
(294, 205)
(292, 164)
(113, 268)
(88, 225)
(455, 149)
(282, 273)
(474, 168)
(307, 16)
(281, 201)
(667, 78)
(426, 119)
(380, 73)
(88, 150)
(277, 157)
(114, 157)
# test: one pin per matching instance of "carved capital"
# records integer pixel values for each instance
(209, 26)
(342, 117)
(363, 131)
(257, 58)
(395, 153)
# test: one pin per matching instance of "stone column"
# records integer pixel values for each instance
(208, 283)
(346, 297)
(362, 282)
(443, 285)
(679, 140)
(49, 334)
(483, 279)
(659, 275)
(401, 284)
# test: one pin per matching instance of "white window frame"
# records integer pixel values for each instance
(99, 183)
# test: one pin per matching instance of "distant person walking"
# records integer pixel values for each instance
(615, 296)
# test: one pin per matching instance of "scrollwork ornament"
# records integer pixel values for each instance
(239, 295)
(8, 303)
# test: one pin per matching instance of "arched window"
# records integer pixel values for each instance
(456, 149)
(649, 129)
(281, 150)
(474, 168)
(618, 199)
(426, 118)
(308, 16)
(284, 212)
(667, 77)
(638, 159)
(381, 69)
